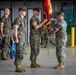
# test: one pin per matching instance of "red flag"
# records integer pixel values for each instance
(47, 15)
(47, 10)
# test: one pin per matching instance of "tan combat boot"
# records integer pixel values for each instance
(19, 69)
(4, 56)
(24, 69)
(37, 64)
(60, 66)
(33, 65)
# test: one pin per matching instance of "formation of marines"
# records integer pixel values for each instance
(19, 27)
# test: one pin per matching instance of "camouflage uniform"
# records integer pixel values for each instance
(34, 39)
(20, 24)
(6, 30)
(61, 39)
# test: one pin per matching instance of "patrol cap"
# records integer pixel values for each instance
(22, 9)
(60, 13)
(36, 9)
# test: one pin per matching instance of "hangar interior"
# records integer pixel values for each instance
(47, 60)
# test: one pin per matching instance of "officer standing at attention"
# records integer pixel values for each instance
(35, 26)
(19, 33)
(5, 26)
(61, 39)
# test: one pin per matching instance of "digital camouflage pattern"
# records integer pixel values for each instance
(20, 22)
(34, 39)
(6, 31)
(61, 39)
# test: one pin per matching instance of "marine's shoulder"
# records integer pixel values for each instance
(32, 18)
(2, 18)
(17, 18)
(63, 21)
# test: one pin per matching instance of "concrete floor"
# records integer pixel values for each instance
(47, 63)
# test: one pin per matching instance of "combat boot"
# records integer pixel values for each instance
(33, 65)
(37, 64)
(4, 56)
(24, 69)
(60, 66)
(19, 69)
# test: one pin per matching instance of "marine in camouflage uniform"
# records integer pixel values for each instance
(61, 39)
(34, 39)
(35, 30)
(5, 32)
(20, 25)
